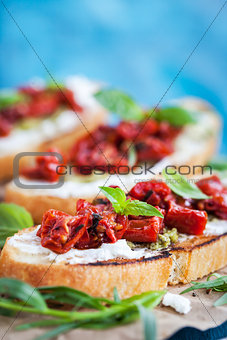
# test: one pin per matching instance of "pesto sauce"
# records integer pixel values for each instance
(168, 237)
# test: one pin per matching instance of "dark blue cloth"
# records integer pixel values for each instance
(138, 46)
(190, 333)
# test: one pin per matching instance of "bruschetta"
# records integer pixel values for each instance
(145, 240)
(37, 116)
(106, 154)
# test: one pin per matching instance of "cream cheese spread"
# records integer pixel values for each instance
(30, 244)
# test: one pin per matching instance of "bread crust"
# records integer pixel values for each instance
(196, 258)
(63, 142)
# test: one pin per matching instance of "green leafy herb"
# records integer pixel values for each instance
(149, 323)
(109, 313)
(12, 218)
(174, 115)
(10, 98)
(219, 285)
(181, 186)
(121, 104)
(128, 207)
(219, 164)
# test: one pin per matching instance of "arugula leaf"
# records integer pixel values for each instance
(22, 291)
(11, 98)
(182, 187)
(112, 314)
(120, 103)
(116, 296)
(128, 207)
(219, 285)
(175, 116)
(221, 301)
(149, 323)
(12, 218)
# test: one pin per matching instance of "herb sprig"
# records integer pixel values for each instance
(108, 313)
(219, 285)
(125, 206)
(123, 105)
(182, 186)
(12, 218)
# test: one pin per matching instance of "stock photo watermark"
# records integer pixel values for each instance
(68, 170)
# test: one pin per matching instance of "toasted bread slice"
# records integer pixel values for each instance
(191, 259)
(63, 141)
(37, 201)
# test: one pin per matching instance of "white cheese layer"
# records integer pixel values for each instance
(178, 302)
(48, 128)
(30, 244)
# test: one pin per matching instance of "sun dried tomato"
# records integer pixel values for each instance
(144, 229)
(217, 204)
(153, 148)
(188, 221)
(59, 231)
(153, 192)
(45, 168)
(36, 103)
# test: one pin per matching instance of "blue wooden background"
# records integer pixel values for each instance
(138, 46)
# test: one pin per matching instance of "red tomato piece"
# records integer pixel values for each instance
(186, 220)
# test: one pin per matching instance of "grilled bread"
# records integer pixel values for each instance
(187, 260)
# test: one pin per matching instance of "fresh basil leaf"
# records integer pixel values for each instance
(121, 104)
(22, 291)
(8, 99)
(138, 208)
(175, 115)
(149, 323)
(219, 164)
(116, 196)
(221, 301)
(13, 218)
(52, 85)
(128, 207)
(182, 187)
(132, 156)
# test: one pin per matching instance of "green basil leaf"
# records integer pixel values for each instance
(116, 196)
(22, 291)
(149, 323)
(13, 218)
(176, 116)
(221, 301)
(182, 187)
(219, 164)
(138, 208)
(121, 104)
(8, 99)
